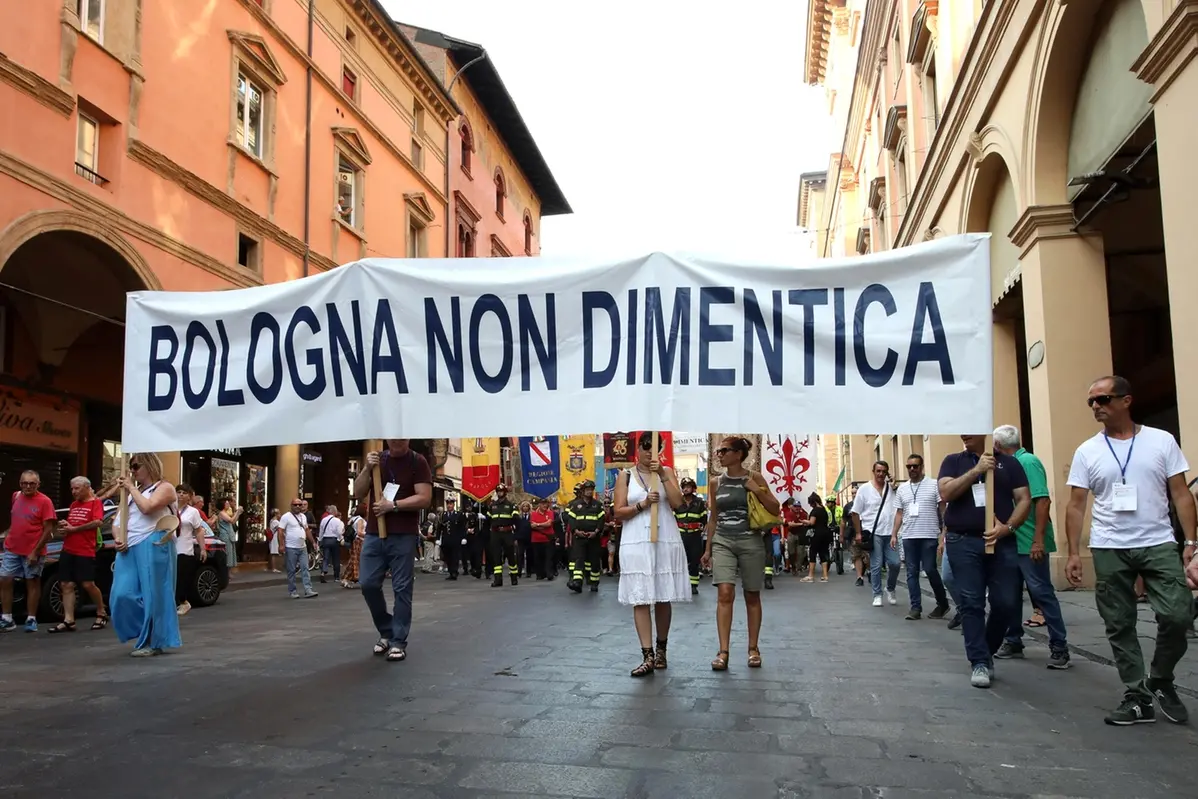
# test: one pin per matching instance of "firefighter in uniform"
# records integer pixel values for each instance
(691, 516)
(568, 535)
(587, 518)
(502, 514)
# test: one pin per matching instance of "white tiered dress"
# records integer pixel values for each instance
(651, 573)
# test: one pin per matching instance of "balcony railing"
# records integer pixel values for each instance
(89, 175)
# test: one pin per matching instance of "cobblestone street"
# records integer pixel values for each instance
(525, 692)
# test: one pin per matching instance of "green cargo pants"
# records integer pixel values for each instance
(1116, 571)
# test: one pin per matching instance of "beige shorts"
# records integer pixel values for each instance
(741, 556)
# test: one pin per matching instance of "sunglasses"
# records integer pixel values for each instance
(725, 450)
(29, 483)
(1103, 399)
(912, 466)
(134, 466)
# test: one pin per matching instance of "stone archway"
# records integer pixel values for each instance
(35, 223)
(1074, 39)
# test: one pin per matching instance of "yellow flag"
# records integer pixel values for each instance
(577, 458)
(480, 466)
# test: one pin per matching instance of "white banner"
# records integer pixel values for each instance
(386, 348)
(790, 464)
(689, 444)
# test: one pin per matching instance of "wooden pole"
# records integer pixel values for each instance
(122, 535)
(991, 478)
(377, 476)
(654, 485)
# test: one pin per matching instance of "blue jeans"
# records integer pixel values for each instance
(882, 547)
(977, 573)
(1038, 577)
(396, 553)
(946, 576)
(297, 561)
(330, 548)
(921, 554)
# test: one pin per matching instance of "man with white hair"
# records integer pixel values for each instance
(1036, 542)
(77, 561)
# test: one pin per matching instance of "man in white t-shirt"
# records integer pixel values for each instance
(873, 512)
(917, 515)
(332, 530)
(1133, 471)
(187, 555)
(293, 526)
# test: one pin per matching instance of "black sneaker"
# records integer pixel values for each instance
(1170, 702)
(1130, 712)
(955, 621)
(914, 615)
(939, 612)
(860, 581)
(1009, 651)
(1058, 659)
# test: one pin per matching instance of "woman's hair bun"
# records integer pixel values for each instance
(747, 444)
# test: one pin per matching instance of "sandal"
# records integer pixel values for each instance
(381, 646)
(63, 627)
(659, 656)
(396, 654)
(647, 663)
(721, 661)
(101, 622)
(1034, 621)
(754, 658)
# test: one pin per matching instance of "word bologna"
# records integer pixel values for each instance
(705, 336)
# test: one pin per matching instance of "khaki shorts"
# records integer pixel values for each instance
(741, 556)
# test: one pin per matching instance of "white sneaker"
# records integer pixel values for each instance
(877, 602)
(980, 677)
(890, 597)
(183, 609)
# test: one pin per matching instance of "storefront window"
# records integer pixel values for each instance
(254, 522)
(225, 484)
(111, 468)
(353, 475)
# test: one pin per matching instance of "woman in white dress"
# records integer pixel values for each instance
(651, 574)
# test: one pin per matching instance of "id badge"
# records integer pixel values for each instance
(914, 514)
(1124, 497)
(979, 495)
(389, 491)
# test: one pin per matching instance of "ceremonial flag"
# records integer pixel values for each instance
(787, 465)
(577, 455)
(618, 450)
(480, 467)
(540, 458)
(839, 480)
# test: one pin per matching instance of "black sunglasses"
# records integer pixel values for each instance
(1103, 399)
(911, 466)
(134, 466)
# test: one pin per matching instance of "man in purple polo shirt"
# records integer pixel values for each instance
(962, 482)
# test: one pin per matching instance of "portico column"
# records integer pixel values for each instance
(286, 474)
(1167, 64)
(172, 467)
(1065, 317)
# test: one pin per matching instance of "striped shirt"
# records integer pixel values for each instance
(924, 522)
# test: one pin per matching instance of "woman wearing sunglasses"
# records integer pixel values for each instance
(733, 547)
(142, 600)
(651, 574)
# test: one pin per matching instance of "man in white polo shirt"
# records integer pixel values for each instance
(917, 515)
(293, 526)
(1133, 470)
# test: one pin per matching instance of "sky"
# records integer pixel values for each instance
(667, 128)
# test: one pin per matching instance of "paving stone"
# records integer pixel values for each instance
(527, 694)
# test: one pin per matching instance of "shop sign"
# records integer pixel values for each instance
(234, 453)
(28, 420)
(313, 457)
(229, 466)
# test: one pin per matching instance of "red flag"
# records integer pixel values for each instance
(480, 467)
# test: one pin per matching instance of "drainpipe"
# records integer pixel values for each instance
(448, 133)
(308, 142)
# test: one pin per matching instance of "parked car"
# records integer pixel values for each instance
(211, 577)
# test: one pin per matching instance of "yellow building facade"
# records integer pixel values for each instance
(1061, 128)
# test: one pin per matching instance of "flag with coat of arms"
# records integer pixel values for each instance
(540, 459)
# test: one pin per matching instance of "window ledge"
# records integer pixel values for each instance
(353, 231)
(255, 159)
(466, 172)
(500, 215)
